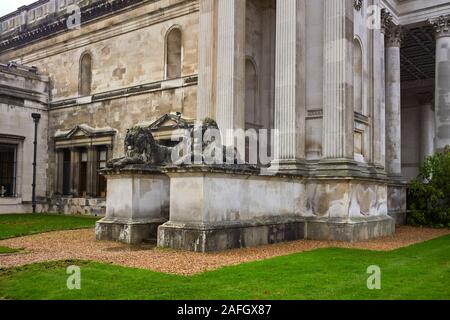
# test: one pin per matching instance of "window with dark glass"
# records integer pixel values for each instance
(7, 170)
(66, 172)
(102, 159)
(83, 173)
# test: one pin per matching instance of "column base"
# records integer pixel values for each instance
(219, 237)
(294, 166)
(127, 232)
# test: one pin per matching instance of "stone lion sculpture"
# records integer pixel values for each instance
(141, 148)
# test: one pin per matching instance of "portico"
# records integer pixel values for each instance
(354, 95)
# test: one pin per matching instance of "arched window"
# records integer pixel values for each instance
(173, 53)
(358, 75)
(85, 75)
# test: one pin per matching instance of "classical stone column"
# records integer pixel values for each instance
(74, 171)
(230, 100)
(393, 102)
(290, 85)
(59, 171)
(427, 127)
(380, 90)
(92, 164)
(442, 98)
(206, 60)
(338, 109)
(268, 65)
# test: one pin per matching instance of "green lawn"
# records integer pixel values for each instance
(4, 250)
(418, 272)
(16, 225)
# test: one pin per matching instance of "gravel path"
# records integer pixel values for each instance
(81, 245)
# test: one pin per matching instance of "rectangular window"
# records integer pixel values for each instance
(102, 159)
(7, 170)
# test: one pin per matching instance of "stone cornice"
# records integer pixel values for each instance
(58, 25)
(121, 26)
(411, 12)
(386, 20)
(125, 92)
(441, 26)
(21, 93)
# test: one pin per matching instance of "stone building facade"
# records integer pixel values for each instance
(357, 91)
(23, 91)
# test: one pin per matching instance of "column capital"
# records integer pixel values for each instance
(441, 26)
(394, 35)
(386, 20)
(357, 4)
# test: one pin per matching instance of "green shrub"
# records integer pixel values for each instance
(430, 192)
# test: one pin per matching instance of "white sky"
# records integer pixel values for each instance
(8, 6)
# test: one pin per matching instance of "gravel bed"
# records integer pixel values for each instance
(81, 245)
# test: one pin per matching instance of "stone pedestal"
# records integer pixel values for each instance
(137, 203)
(213, 209)
(397, 205)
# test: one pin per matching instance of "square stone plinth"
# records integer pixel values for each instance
(137, 203)
(214, 210)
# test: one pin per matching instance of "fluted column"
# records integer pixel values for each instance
(59, 171)
(290, 84)
(74, 171)
(230, 101)
(380, 90)
(92, 172)
(206, 60)
(338, 109)
(442, 98)
(393, 102)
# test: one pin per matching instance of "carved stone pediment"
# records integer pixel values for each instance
(170, 125)
(84, 135)
(172, 121)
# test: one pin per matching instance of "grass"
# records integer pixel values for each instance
(5, 250)
(16, 225)
(420, 271)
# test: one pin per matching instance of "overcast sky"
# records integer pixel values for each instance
(8, 6)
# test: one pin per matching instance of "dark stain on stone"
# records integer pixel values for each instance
(119, 72)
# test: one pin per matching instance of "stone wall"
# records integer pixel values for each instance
(23, 92)
(128, 77)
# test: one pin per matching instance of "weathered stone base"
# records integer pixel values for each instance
(397, 204)
(83, 206)
(354, 230)
(219, 237)
(127, 232)
(137, 203)
(400, 217)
